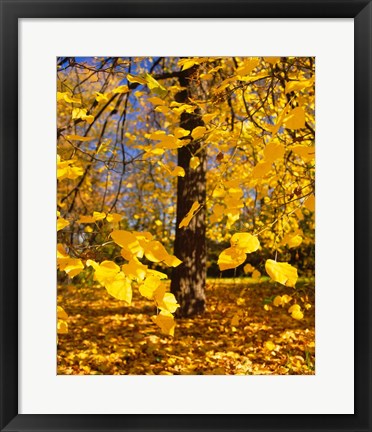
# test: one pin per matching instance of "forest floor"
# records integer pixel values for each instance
(241, 333)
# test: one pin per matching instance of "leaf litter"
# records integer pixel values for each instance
(242, 332)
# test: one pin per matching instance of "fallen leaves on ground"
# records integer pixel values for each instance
(242, 332)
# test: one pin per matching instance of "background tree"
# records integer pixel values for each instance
(189, 278)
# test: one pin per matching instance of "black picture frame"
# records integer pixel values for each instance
(11, 11)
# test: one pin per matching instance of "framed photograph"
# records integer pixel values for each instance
(209, 264)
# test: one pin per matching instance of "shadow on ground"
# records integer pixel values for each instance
(241, 333)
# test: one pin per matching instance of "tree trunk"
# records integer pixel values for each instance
(188, 279)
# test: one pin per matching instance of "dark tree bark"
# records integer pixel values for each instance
(188, 279)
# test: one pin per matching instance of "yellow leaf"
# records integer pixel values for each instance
(81, 113)
(60, 96)
(149, 286)
(86, 219)
(286, 299)
(272, 60)
(231, 258)
(292, 241)
(158, 135)
(208, 117)
(235, 183)
(105, 271)
(218, 210)
(167, 141)
(248, 268)
(136, 79)
(261, 169)
(295, 311)
(156, 252)
(194, 162)
(155, 87)
(245, 241)
(156, 273)
(114, 217)
(255, 77)
(270, 345)
(277, 301)
(71, 99)
(128, 242)
(274, 129)
(179, 108)
(98, 216)
(65, 169)
(240, 301)
(120, 287)
(72, 266)
(78, 138)
(61, 164)
(159, 294)
(181, 132)
(172, 261)
(62, 223)
(298, 85)
(66, 97)
(61, 251)
(274, 150)
(166, 167)
(256, 274)
(143, 238)
(310, 203)
(281, 272)
(75, 172)
(61, 172)
(232, 203)
(187, 63)
(206, 76)
(186, 220)
(219, 192)
(62, 327)
(61, 314)
(298, 315)
(247, 66)
(121, 89)
(178, 171)
(156, 100)
(235, 320)
(116, 283)
(295, 119)
(168, 303)
(198, 132)
(166, 322)
(162, 109)
(307, 153)
(135, 269)
(101, 97)
(295, 307)
(235, 192)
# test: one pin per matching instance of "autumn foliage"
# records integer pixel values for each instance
(171, 170)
